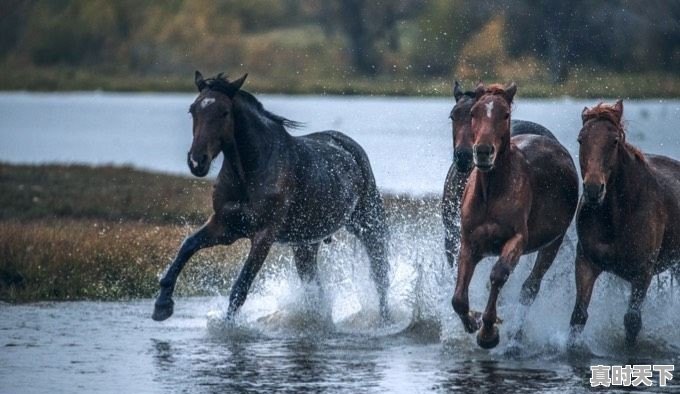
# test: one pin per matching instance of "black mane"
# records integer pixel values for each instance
(221, 84)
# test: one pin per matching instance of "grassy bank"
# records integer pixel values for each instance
(585, 85)
(77, 232)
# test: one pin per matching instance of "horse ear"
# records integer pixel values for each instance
(479, 90)
(618, 109)
(510, 92)
(584, 115)
(457, 91)
(236, 85)
(199, 81)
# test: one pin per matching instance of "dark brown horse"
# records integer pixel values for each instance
(462, 165)
(520, 198)
(274, 187)
(628, 220)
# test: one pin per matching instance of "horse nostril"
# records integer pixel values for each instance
(484, 150)
(593, 191)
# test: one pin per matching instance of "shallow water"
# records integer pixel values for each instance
(408, 140)
(298, 338)
(291, 337)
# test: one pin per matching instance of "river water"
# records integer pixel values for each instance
(291, 337)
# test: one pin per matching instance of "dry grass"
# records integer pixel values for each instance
(77, 232)
(90, 259)
(110, 193)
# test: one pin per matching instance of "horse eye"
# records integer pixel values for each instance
(225, 113)
(507, 115)
(580, 140)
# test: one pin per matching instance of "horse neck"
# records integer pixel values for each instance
(256, 140)
(496, 179)
(629, 181)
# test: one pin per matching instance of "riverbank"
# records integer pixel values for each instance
(583, 85)
(104, 233)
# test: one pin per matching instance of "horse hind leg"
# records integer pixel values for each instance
(544, 261)
(632, 320)
(305, 261)
(369, 225)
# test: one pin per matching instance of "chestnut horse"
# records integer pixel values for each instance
(274, 187)
(460, 169)
(628, 220)
(520, 198)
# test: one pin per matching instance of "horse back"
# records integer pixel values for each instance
(525, 127)
(328, 182)
(667, 173)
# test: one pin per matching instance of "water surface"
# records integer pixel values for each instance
(295, 338)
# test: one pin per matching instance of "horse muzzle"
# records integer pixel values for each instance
(199, 165)
(463, 159)
(484, 157)
(593, 193)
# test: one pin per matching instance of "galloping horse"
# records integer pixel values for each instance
(628, 220)
(460, 169)
(274, 187)
(520, 198)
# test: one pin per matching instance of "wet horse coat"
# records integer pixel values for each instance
(274, 187)
(628, 220)
(520, 198)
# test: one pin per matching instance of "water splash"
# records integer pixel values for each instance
(344, 302)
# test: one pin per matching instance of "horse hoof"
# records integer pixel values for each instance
(474, 321)
(488, 341)
(163, 310)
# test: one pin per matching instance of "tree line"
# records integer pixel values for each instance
(547, 39)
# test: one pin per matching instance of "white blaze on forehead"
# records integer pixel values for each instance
(207, 101)
(489, 108)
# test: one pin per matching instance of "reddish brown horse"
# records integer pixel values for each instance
(462, 165)
(520, 198)
(628, 221)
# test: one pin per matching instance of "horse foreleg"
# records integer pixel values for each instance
(305, 261)
(453, 194)
(488, 336)
(585, 274)
(633, 319)
(461, 302)
(210, 234)
(260, 245)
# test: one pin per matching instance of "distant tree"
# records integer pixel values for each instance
(365, 23)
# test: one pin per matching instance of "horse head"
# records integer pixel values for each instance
(600, 139)
(490, 124)
(213, 120)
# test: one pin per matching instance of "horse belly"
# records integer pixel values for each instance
(555, 191)
(320, 209)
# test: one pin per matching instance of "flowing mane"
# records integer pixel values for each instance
(609, 113)
(221, 84)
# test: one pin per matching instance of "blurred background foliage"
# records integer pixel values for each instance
(343, 46)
